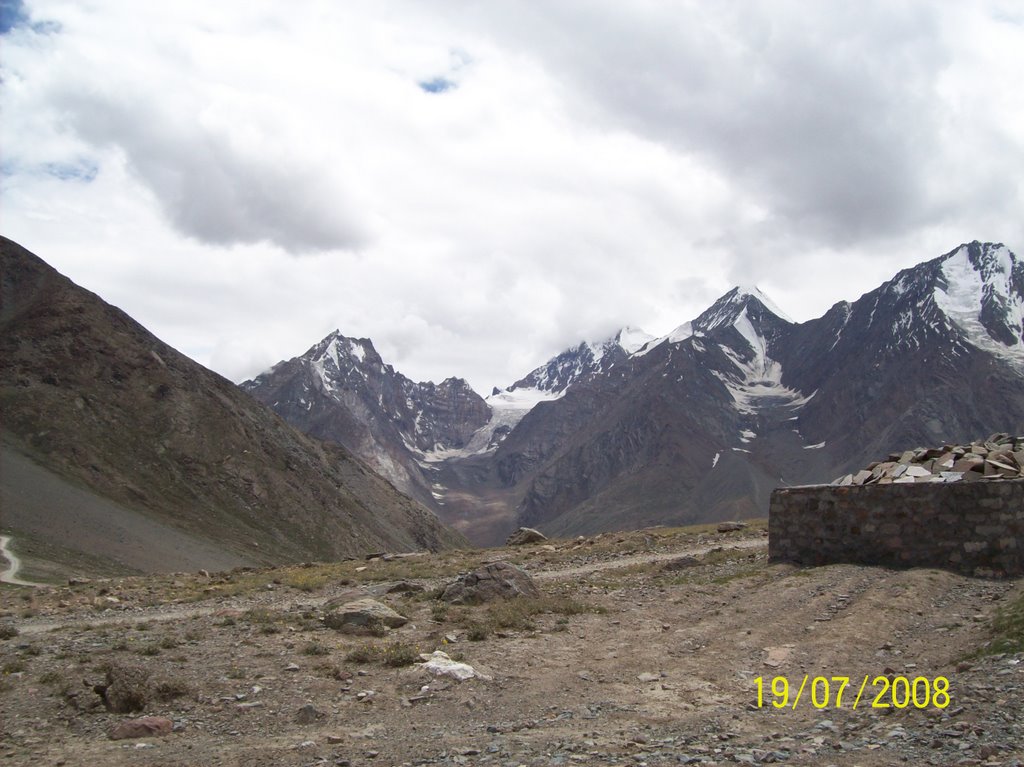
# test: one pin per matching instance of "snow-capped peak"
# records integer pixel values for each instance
(587, 357)
(631, 339)
(731, 309)
(727, 309)
(752, 291)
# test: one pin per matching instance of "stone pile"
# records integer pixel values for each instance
(998, 457)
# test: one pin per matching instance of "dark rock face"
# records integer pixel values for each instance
(497, 580)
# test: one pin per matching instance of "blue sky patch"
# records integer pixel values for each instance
(81, 170)
(437, 85)
(12, 14)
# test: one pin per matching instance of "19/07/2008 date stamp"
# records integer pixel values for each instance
(826, 692)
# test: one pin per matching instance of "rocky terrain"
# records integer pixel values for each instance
(641, 648)
(703, 423)
(119, 453)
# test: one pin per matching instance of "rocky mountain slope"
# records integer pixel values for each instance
(119, 448)
(704, 422)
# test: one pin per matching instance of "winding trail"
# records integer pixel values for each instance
(10, 575)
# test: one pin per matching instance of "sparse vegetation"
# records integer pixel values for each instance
(51, 677)
(365, 653)
(315, 648)
(395, 654)
(1008, 629)
(399, 653)
(517, 615)
(169, 689)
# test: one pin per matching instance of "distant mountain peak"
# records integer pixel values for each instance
(587, 357)
(728, 309)
(740, 307)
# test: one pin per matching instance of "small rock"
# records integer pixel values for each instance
(680, 564)
(309, 714)
(406, 587)
(525, 535)
(731, 527)
(144, 727)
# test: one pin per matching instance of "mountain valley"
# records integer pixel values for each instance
(698, 425)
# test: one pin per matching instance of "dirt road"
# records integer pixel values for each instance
(10, 573)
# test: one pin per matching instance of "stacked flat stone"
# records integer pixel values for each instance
(998, 457)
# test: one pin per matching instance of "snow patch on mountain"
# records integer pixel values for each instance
(966, 291)
(757, 381)
(508, 408)
(633, 339)
(681, 333)
(356, 349)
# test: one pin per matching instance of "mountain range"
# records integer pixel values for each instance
(698, 425)
(119, 453)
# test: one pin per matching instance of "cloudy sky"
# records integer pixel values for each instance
(475, 186)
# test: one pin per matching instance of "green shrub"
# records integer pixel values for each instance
(315, 648)
(399, 653)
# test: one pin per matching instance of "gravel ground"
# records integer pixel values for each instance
(645, 649)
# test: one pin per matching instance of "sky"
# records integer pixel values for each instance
(477, 186)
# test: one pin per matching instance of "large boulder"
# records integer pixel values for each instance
(496, 580)
(525, 535)
(364, 616)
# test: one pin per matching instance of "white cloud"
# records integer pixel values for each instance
(242, 178)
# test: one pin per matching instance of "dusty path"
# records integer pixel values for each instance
(642, 559)
(173, 613)
(10, 575)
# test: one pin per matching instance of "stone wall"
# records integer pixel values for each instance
(975, 528)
